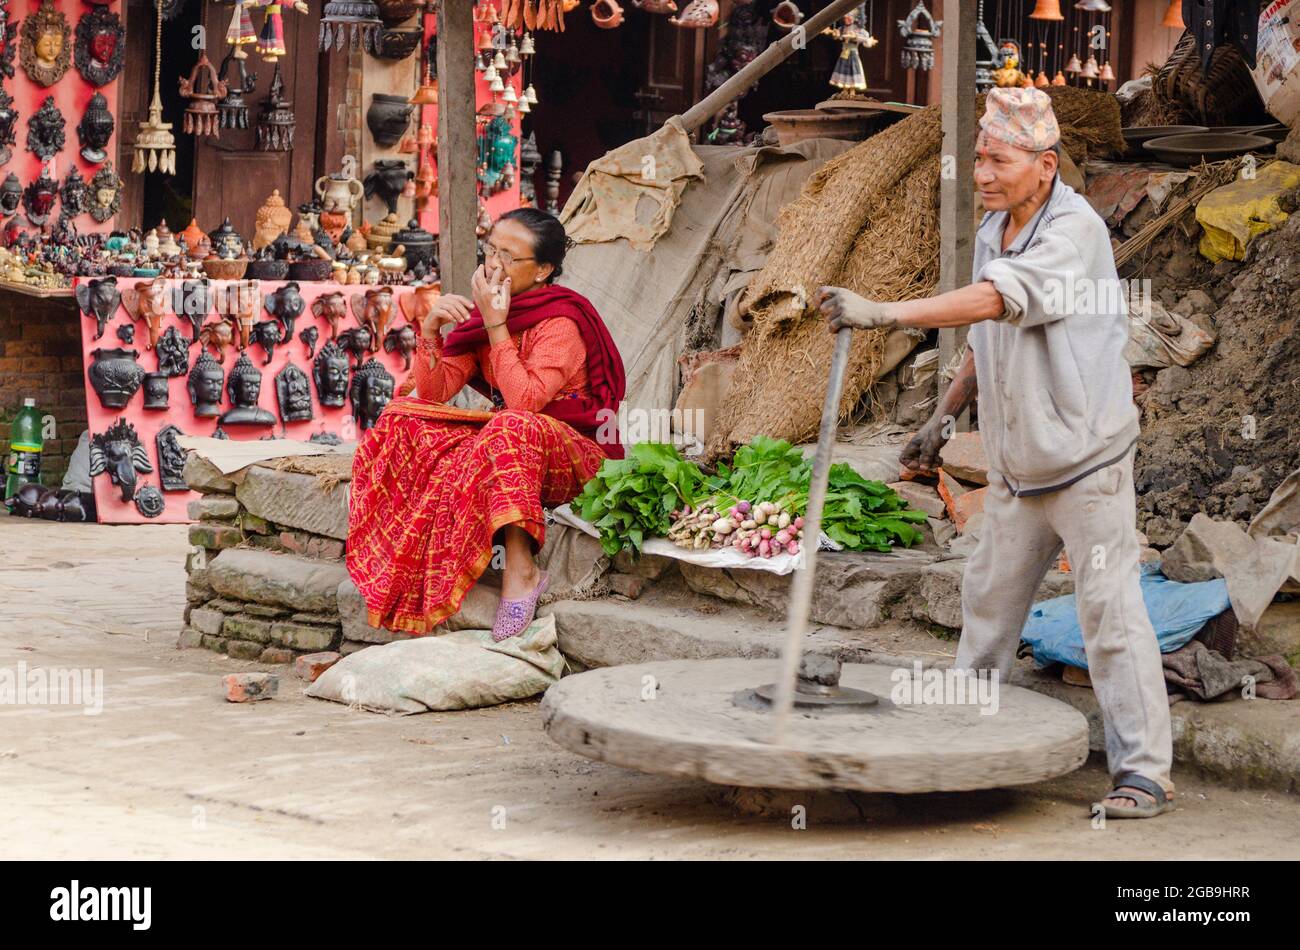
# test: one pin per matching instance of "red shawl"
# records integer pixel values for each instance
(605, 374)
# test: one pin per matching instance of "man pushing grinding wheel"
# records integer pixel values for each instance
(1059, 426)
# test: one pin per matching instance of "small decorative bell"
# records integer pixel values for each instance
(155, 146)
(510, 96)
(497, 85)
(232, 111)
(524, 108)
(1093, 6)
(526, 47)
(1074, 67)
(276, 122)
(531, 95)
(202, 87)
(1106, 74)
(1047, 10)
(499, 62)
(1090, 70)
(1041, 80)
(490, 74)
(1058, 79)
(1174, 16)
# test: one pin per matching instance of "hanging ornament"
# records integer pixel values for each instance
(276, 121)
(232, 109)
(698, 15)
(101, 46)
(46, 48)
(852, 30)
(510, 96)
(1074, 67)
(530, 94)
(45, 130)
(526, 46)
(1041, 80)
(1058, 79)
(1008, 74)
(490, 74)
(155, 146)
(270, 42)
(239, 34)
(986, 53)
(1174, 16)
(496, 85)
(1047, 10)
(1090, 70)
(202, 87)
(1106, 74)
(918, 41)
(350, 22)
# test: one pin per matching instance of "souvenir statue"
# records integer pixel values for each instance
(46, 48)
(101, 46)
(217, 335)
(64, 233)
(388, 118)
(167, 246)
(105, 193)
(8, 120)
(401, 340)
(420, 246)
(45, 130)
(99, 298)
(330, 372)
(268, 333)
(244, 386)
(155, 390)
(171, 459)
(242, 303)
(293, 393)
(118, 451)
(226, 241)
(202, 88)
(276, 121)
(11, 195)
(195, 241)
(332, 307)
(273, 219)
(309, 336)
(74, 195)
(371, 390)
(497, 145)
(374, 310)
(339, 194)
(194, 303)
(387, 181)
(232, 109)
(38, 199)
(286, 305)
(125, 331)
(148, 301)
(358, 341)
(1008, 74)
(204, 384)
(173, 353)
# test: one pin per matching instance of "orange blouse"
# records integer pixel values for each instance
(547, 361)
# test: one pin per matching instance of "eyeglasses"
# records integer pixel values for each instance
(505, 258)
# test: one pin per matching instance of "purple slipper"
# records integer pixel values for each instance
(514, 616)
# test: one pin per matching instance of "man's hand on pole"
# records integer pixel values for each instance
(843, 308)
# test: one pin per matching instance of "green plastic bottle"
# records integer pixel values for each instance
(25, 443)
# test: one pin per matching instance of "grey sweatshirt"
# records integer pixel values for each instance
(1055, 392)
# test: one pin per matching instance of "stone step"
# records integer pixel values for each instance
(295, 501)
(286, 580)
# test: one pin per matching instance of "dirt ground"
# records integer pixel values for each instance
(170, 770)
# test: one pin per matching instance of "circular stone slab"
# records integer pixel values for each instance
(692, 727)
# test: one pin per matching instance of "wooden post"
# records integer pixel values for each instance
(956, 169)
(457, 183)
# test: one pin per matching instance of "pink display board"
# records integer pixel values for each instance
(180, 411)
(71, 94)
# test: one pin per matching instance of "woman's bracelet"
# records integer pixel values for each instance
(493, 326)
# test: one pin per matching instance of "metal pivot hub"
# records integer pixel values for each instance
(818, 687)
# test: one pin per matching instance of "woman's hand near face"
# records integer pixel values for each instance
(450, 308)
(491, 289)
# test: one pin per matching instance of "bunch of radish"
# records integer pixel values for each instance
(760, 530)
(764, 530)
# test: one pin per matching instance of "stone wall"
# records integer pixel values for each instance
(266, 563)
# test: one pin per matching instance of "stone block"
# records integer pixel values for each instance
(1278, 631)
(283, 579)
(963, 457)
(315, 618)
(295, 501)
(921, 497)
(629, 585)
(202, 476)
(348, 647)
(189, 639)
(303, 636)
(241, 627)
(311, 545)
(649, 566)
(356, 625)
(243, 649)
(250, 687)
(210, 642)
(213, 508)
(265, 611)
(207, 620)
(197, 587)
(252, 524)
(215, 536)
(276, 655)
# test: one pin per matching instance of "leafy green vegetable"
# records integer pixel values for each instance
(632, 498)
(863, 515)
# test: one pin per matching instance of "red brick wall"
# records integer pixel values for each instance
(40, 357)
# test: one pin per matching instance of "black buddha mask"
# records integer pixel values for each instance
(244, 387)
(11, 195)
(204, 385)
(45, 130)
(371, 391)
(330, 372)
(95, 129)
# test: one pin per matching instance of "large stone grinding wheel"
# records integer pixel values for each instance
(705, 721)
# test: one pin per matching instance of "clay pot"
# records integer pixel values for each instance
(115, 376)
(393, 12)
(421, 246)
(388, 118)
(607, 14)
(219, 268)
(267, 270)
(312, 268)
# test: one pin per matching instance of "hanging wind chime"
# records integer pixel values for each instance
(276, 121)
(853, 31)
(232, 109)
(1045, 12)
(202, 87)
(155, 146)
(918, 41)
(350, 22)
(986, 53)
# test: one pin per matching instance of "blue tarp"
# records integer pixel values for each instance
(1177, 612)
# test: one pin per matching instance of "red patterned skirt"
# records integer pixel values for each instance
(432, 484)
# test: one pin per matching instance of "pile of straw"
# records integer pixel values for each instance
(867, 220)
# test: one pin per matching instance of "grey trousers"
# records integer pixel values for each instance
(1095, 520)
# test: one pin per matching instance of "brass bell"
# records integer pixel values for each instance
(1107, 74)
(1041, 80)
(1047, 10)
